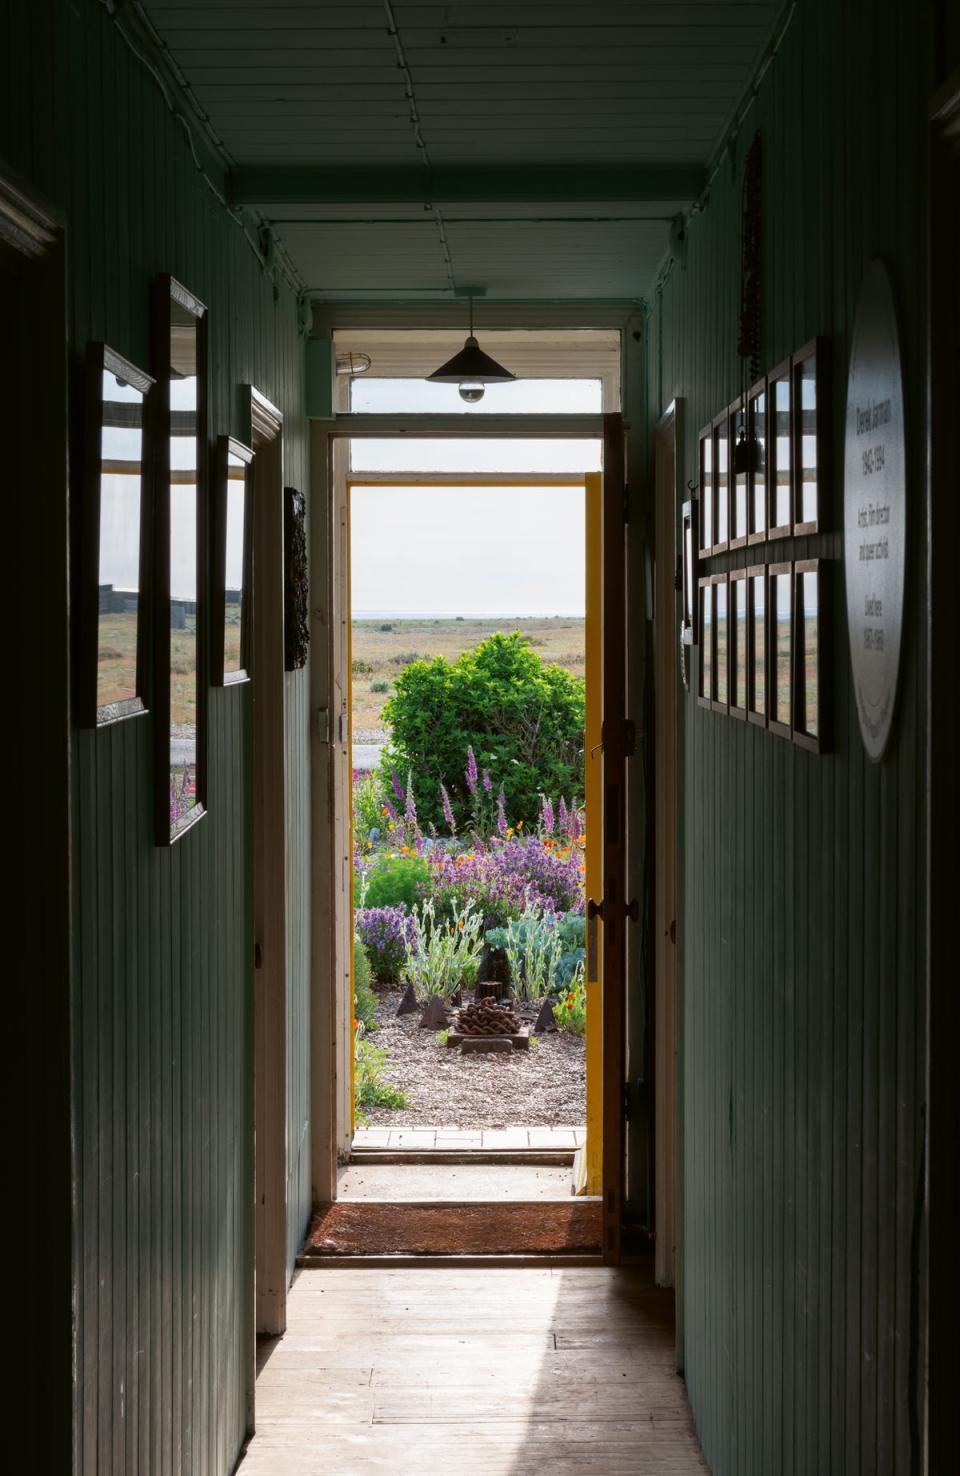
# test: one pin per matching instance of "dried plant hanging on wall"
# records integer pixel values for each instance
(296, 580)
(748, 342)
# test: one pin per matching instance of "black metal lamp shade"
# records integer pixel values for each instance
(471, 365)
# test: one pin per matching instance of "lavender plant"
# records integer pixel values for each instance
(385, 933)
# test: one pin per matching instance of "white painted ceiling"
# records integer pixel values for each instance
(405, 150)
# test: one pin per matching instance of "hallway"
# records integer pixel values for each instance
(492, 1371)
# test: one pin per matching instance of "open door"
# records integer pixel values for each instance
(613, 908)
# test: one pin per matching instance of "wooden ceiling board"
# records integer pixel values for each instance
(541, 83)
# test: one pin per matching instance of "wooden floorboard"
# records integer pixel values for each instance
(490, 1371)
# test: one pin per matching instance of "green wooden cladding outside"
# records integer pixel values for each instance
(163, 947)
(802, 876)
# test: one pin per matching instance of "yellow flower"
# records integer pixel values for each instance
(391, 826)
(460, 923)
(404, 850)
(519, 824)
(509, 831)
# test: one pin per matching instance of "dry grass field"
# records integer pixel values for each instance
(381, 649)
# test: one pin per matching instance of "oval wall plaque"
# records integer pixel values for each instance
(875, 508)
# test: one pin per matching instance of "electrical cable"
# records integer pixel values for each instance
(421, 143)
(115, 9)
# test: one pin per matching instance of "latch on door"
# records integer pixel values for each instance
(630, 910)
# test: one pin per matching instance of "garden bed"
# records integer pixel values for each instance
(544, 1086)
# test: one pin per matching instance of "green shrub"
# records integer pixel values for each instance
(380, 686)
(386, 626)
(360, 668)
(367, 807)
(370, 1089)
(392, 881)
(364, 999)
(523, 718)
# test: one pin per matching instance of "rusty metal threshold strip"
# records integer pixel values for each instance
(520, 1157)
(548, 1261)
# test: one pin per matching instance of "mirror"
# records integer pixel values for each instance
(706, 491)
(808, 723)
(738, 643)
(721, 486)
(113, 542)
(781, 607)
(810, 402)
(705, 688)
(688, 582)
(721, 639)
(757, 648)
(231, 594)
(779, 446)
(181, 373)
(757, 476)
(738, 437)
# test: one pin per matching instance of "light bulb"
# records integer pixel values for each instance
(471, 392)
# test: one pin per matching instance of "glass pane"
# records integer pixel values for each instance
(720, 598)
(781, 452)
(758, 597)
(810, 595)
(706, 640)
(808, 440)
(757, 430)
(184, 402)
(738, 635)
(781, 605)
(233, 569)
(706, 493)
(722, 477)
(520, 397)
(738, 426)
(429, 454)
(121, 439)
(687, 572)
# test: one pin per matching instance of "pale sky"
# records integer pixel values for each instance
(467, 551)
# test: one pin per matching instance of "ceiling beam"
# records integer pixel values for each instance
(296, 184)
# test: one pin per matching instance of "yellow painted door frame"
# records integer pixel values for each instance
(590, 1168)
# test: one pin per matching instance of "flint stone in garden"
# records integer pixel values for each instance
(408, 1004)
(545, 1020)
(435, 1015)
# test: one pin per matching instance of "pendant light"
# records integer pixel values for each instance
(471, 369)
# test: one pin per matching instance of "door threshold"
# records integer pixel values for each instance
(543, 1157)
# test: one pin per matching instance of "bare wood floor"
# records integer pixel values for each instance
(489, 1371)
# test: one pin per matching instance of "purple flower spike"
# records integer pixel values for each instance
(447, 808)
(547, 815)
(410, 809)
(487, 781)
(502, 812)
(564, 817)
(397, 787)
(390, 810)
(576, 828)
(471, 774)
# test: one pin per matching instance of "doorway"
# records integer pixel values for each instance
(514, 859)
(602, 1161)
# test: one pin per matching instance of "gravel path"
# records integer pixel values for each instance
(544, 1086)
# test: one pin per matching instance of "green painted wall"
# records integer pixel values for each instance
(163, 978)
(802, 940)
